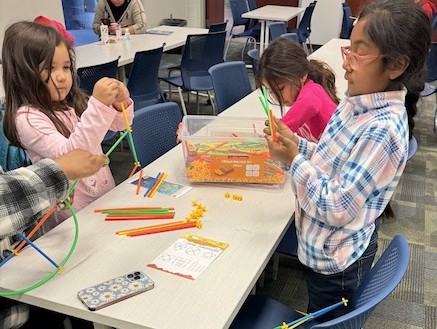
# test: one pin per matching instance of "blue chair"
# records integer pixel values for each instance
(251, 30)
(277, 29)
(201, 51)
(218, 27)
(412, 147)
(291, 36)
(154, 130)
(347, 23)
(261, 312)
(304, 28)
(231, 83)
(88, 76)
(143, 81)
(253, 55)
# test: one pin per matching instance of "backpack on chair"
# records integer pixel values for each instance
(11, 157)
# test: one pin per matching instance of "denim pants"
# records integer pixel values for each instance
(326, 290)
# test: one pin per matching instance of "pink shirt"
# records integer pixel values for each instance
(310, 113)
(41, 139)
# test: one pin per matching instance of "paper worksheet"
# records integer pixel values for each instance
(189, 256)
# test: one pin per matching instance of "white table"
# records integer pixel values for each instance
(97, 53)
(330, 53)
(271, 13)
(253, 228)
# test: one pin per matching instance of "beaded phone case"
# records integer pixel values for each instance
(112, 291)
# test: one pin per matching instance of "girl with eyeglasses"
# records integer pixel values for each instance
(307, 87)
(344, 183)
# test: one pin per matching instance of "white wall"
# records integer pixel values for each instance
(12, 11)
(326, 20)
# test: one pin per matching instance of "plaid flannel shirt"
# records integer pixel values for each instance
(26, 194)
(343, 183)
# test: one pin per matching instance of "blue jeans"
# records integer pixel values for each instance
(326, 290)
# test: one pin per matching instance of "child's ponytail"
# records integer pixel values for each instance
(322, 74)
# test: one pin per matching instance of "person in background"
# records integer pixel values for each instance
(27, 194)
(428, 7)
(306, 86)
(343, 184)
(129, 14)
(51, 115)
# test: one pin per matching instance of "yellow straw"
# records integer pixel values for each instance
(161, 180)
(123, 109)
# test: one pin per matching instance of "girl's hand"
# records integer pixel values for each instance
(122, 97)
(178, 132)
(281, 128)
(106, 90)
(283, 149)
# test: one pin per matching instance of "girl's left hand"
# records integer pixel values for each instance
(283, 149)
(122, 97)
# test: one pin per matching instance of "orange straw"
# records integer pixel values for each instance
(148, 227)
(157, 185)
(272, 125)
(134, 169)
(164, 229)
(139, 182)
(131, 208)
(21, 245)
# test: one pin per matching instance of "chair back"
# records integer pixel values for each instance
(434, 23)
(231, 83)
(239, 7)
(154, 130)
(431, 64)
(291, 36)
(88, 76)
(304, 28)
(381, 280)
(347, 23)
(143, 81)
(253, 55)
(277, 29)
(218, 27)
(201, 51)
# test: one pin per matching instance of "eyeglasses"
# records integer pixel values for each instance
(355, 59)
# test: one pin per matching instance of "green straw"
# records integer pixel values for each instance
(117, 142)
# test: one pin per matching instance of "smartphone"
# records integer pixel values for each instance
(112, 291)
(106, 21)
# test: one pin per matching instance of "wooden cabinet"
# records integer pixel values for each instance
(215, 11)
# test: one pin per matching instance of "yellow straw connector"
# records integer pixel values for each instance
(227, 195)
(61, 269)
(345, 301)
(198, 224)
(14, 252)
(284, 326)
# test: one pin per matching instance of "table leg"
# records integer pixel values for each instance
(261, 38)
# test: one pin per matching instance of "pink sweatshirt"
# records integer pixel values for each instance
(310, 113)
(41, 140)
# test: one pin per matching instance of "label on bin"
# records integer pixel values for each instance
(232, 162)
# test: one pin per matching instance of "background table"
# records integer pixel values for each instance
(253, 228)
(97, 53)
(271, 13)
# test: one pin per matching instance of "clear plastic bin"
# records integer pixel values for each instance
(228, 150)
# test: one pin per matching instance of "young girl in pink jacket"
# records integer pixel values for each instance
(307, 87)
(46, 112)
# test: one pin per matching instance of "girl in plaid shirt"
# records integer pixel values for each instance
(344, 183)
